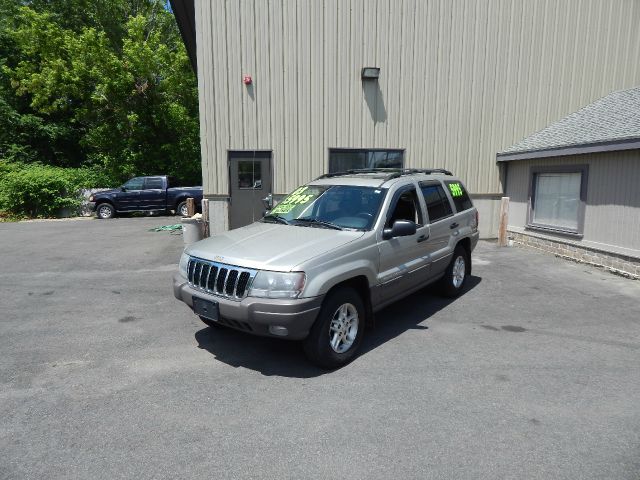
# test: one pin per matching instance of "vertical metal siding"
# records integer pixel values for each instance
(612, 213)
(460, 80)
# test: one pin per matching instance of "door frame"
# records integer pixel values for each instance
(245, 150)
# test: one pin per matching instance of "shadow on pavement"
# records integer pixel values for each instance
(271, 356)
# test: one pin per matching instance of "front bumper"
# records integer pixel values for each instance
(256, 315)
(91, 206)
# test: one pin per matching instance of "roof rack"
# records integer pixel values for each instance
(391, 172)
(426, 171)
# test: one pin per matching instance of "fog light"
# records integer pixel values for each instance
(279, 331)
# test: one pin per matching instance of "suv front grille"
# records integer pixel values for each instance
(219, 279)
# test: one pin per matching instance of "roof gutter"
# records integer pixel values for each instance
(609, 146)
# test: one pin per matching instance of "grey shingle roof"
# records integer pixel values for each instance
(611, 119)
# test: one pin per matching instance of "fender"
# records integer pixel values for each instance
(324, 278)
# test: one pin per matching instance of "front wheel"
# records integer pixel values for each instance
(105, 211)
(456, 274)
(338, 330)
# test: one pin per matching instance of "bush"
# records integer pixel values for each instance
(37, 190)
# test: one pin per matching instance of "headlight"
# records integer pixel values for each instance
(184, 262)
(91, 198)
(277, 285)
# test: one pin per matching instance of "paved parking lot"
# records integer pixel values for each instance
(533, 373)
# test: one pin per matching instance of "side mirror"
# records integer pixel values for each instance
(401, 228)
(268, 202)
(123, 188)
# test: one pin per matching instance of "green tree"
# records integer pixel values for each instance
(112, 88)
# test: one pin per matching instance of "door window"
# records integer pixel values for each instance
(438, 206)
(134, 184)
(249, 175)
(407, 207)
(153, 183)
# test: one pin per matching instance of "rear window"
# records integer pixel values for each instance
(460, 196)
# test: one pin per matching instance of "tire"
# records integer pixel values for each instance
(210, 323)
(340, 305)
(105, 211)
(181, 209)
(455, 276)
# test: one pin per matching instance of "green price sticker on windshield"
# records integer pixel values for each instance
(297, 197)
(456, 189)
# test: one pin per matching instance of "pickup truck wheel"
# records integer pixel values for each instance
(338, 330)
(182, 209)
(455, 276)
(105, 211)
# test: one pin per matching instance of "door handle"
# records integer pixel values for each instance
(422, 238)
(454, 225)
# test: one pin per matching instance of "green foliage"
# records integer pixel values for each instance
(100, 84)
(36, 190)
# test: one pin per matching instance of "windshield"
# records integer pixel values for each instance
(329, 206)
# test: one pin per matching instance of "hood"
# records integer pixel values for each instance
(270, 246)
(106, 192)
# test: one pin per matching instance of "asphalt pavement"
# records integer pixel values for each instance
(534, 372)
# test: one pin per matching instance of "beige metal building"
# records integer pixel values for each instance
(284, 98)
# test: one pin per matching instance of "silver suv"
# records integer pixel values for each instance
(332, 253)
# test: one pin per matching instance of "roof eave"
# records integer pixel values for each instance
(184, 12)
(609, 146)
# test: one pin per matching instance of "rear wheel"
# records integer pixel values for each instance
(456, 274)
(338, 330)
(182, 209)
(105, 211)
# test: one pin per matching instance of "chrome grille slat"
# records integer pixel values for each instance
(215, 283)
(206, 282)
(212, 281)
(227, 281)
(235, 284)
(222, 278)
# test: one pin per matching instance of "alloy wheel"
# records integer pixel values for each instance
(458, 272)
(344, 328)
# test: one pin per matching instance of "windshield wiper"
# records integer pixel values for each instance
(276, 218)
(315, 221)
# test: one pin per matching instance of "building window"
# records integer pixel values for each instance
(341, 160)
(557, 198)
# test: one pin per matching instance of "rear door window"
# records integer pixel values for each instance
(438, 206)
(460, 196)
(153, 183)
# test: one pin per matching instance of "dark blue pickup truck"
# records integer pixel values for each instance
(144, 194)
